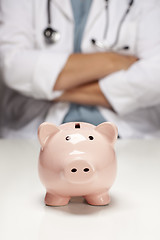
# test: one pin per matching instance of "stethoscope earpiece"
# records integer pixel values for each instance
(51, 35)
(93, 41)
(100, 45)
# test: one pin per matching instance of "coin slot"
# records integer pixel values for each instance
(77, 125)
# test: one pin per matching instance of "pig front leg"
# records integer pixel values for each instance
(99, 199)
(56, 200)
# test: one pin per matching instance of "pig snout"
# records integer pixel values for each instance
(79, 171)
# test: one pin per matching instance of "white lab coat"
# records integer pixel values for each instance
(31, 67)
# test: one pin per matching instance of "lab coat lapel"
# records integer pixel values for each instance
(65, 7)
(96, 9)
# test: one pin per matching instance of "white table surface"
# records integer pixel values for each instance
(134, 212)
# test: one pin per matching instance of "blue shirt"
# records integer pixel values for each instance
(79, 112)
(81, 10)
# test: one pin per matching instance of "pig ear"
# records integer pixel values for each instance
(109, 130)
(45, 130)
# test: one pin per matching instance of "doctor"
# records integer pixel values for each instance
(113, 75)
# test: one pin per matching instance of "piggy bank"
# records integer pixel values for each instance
(77, 159)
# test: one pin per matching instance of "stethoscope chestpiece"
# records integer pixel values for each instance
(51, 35)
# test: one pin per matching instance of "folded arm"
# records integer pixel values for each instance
(80, 76)
(81, 69)
(88, 94)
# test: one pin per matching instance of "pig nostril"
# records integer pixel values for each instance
(86, 169)
(74, 170)
(91, 137)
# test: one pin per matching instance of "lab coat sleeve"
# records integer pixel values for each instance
(139, 86)
(25, 68)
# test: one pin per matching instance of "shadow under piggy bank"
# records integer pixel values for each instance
(78, 206)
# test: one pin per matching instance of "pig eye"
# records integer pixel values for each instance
(68, 138)
(91, 137)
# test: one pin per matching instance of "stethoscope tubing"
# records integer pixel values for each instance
(121, 23)
(107, 21)
(99, 44)
(49, 12)
(52, 35)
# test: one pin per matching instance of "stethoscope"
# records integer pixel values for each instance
(52, 35)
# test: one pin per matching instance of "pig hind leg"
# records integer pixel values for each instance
(99, 199)
(56, 200)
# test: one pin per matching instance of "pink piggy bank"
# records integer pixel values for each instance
(77, 159)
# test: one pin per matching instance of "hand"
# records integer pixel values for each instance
(127, 61)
